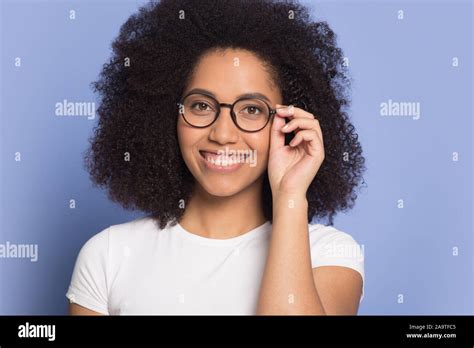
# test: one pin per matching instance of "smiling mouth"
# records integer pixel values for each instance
(222, 160)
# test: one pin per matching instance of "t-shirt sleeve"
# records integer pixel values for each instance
(88, 286)
(331, 247)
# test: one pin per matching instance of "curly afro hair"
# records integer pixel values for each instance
(134, 151)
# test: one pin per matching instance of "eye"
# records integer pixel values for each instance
(201, 106)
(253, 110)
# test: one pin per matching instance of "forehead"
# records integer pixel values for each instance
(231, 72)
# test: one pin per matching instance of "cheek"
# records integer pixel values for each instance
(260, 142)
(181, 137)
(186, 138)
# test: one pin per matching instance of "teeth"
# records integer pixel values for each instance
(221, 161)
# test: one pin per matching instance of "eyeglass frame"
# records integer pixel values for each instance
(272, 112)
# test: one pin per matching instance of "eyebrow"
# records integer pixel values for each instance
(245, 95)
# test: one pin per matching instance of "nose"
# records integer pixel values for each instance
(223, 130)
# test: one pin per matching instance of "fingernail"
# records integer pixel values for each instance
(291, 110)
(286, 110)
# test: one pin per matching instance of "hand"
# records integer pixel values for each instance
(291, 168)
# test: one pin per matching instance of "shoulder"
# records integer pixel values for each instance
(99, 261)
(118, 234)
(327, 236)
(340, 289)
(133, 229)
(95, 245)
(332, 247)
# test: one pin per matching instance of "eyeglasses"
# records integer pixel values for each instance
(249, 114)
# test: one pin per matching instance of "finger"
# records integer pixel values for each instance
(277, 137)
(292, 112)
(297, 113)
(299, 124)
(311, 137)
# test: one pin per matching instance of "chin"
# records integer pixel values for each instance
(220, 190)
(221, 186)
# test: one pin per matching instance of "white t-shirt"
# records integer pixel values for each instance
(137, 268)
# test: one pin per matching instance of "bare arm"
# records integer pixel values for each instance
(339, 288)
(287, 284)
(75, 309)
(290, 285)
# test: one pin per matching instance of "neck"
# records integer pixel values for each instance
(224, 217)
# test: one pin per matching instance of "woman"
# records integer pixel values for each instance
(212, 119)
